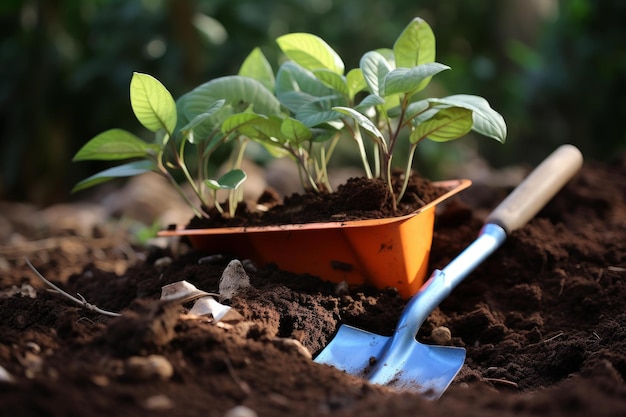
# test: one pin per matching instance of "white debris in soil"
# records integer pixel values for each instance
(144, 368)
(181, 291)
(25, 290)
(5, 376)
(159, 402)
(208, 306)
(241, 411)
(233, 280)
(292, 344)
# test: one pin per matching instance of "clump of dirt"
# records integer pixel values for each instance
(542, 321)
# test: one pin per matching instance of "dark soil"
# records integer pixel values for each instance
(359, 198)
(543, 322)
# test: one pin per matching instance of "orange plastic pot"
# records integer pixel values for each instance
(389, 252)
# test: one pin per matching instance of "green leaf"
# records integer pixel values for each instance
(297, 86)
(115, 144)
(355, 82)
(487, 121)
(295, 131)
(229, 181)
(237, 91)
(415, 45)
(127, 170)
(409, 80)
(244, 123)
(202, 117)
(239, 94)
(413, 110)
(375, 68)
(257, 66)
(152, 104)
(310, 51)
(333, 80)
(371, 100)
(446, 125)
(361, 120)
(319, 111)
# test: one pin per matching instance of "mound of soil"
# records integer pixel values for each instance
(543, 322)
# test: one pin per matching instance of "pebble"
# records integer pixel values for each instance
(158, 402)
(233, 280)
(441, 335)
(241, 411)
(163, 262)
(149, 367)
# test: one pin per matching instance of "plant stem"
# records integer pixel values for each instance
(165, 172)
(407, 171)
(356, 133)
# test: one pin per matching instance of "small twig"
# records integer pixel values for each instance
(231, 370)
(559, 334)
(82, 302)
(501, 381)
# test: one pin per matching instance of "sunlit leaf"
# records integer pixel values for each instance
(257, 66)
(310, 51)
(409, 80)
(295, 131)
(152, 104)
(487, 121)
(229, 181)
(115, 144)
(333, 80)
(239, 94)
(237, 91)
(355, 82)
(446, 125)
(415, 45)
(375, 68)
(297, 86)
(127, 170)
(361, 120)
(235, 121)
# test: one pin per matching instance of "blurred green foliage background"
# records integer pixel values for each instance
(556, 70)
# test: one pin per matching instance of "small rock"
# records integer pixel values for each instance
(158, 402)
(149, 367)
(241, 411)
(441, 335)
(233, 280)
(163, 262)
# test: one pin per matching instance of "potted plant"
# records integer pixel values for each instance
(302, 112)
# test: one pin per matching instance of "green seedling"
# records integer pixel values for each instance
(301, 112)
(157, 111)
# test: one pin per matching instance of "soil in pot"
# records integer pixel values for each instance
(357, 199)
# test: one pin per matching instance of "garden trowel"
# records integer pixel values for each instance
(400, 361)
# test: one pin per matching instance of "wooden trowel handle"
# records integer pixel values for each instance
(537, 189)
